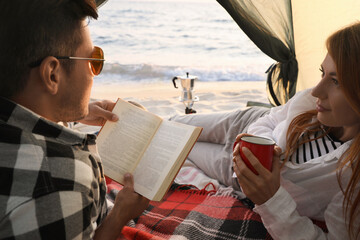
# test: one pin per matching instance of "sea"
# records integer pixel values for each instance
(148, 41)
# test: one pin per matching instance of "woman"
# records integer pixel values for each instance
(319, 131)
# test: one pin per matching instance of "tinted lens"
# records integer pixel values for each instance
(97, 66)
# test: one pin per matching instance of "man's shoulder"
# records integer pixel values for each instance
(15, 141)
(34, 166)
(24, 143)
(9, 134)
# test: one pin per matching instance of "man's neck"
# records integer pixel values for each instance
(36, 102)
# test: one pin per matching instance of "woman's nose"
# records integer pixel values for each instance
(319, 90)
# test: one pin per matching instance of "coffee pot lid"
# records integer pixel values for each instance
(187, 76)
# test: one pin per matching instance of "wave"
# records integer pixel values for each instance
(117, 73)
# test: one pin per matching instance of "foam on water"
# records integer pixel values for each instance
(157, 40)
(120, 73)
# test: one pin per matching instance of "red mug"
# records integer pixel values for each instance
(261, 147)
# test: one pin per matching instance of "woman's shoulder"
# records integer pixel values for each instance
(301, 102)
(303, 95)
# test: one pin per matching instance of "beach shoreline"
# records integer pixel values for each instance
(163, 99)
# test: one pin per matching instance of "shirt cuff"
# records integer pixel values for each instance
(273, 210)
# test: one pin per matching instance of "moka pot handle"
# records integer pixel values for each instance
(173, 80)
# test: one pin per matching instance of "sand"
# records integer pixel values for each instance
(163, 99)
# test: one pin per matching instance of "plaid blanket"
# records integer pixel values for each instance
(194, 214)
(187, 213)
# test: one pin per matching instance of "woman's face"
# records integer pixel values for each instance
(332, 107)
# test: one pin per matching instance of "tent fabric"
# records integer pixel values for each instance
(313, 22)
(99, 3)
(269, 25)
(292, 32)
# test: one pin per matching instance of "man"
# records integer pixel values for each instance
(52, 184)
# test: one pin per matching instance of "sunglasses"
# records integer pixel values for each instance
(96, 60)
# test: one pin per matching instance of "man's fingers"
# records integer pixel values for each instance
(128, 180)
(111, 116)
(107, 115)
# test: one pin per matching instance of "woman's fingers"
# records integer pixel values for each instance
(259, 188)
(244, 170)
(238, 137)
(276, 160)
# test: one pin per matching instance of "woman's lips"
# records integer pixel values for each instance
(320, 108)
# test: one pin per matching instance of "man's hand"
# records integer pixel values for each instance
(128, 205)
(99, 113)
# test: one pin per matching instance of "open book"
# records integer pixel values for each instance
(150, 148)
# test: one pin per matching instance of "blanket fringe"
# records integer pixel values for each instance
(188, 188)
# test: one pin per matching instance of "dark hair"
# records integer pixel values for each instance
(34, 29)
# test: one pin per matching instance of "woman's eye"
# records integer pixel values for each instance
(335, 81)
(322, 72)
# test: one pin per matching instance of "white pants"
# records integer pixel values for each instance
(213, 151)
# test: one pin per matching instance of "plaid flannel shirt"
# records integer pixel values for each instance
(51, 184)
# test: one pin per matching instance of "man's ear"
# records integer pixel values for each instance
(50, 74)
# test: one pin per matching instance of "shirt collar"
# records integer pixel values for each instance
(18, 116)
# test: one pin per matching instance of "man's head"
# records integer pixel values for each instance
(34, 30)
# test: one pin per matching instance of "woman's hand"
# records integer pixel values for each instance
(238, 137)
(258, 188)
(99, 113)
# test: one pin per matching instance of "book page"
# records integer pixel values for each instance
(159, 158)
(121, 144)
